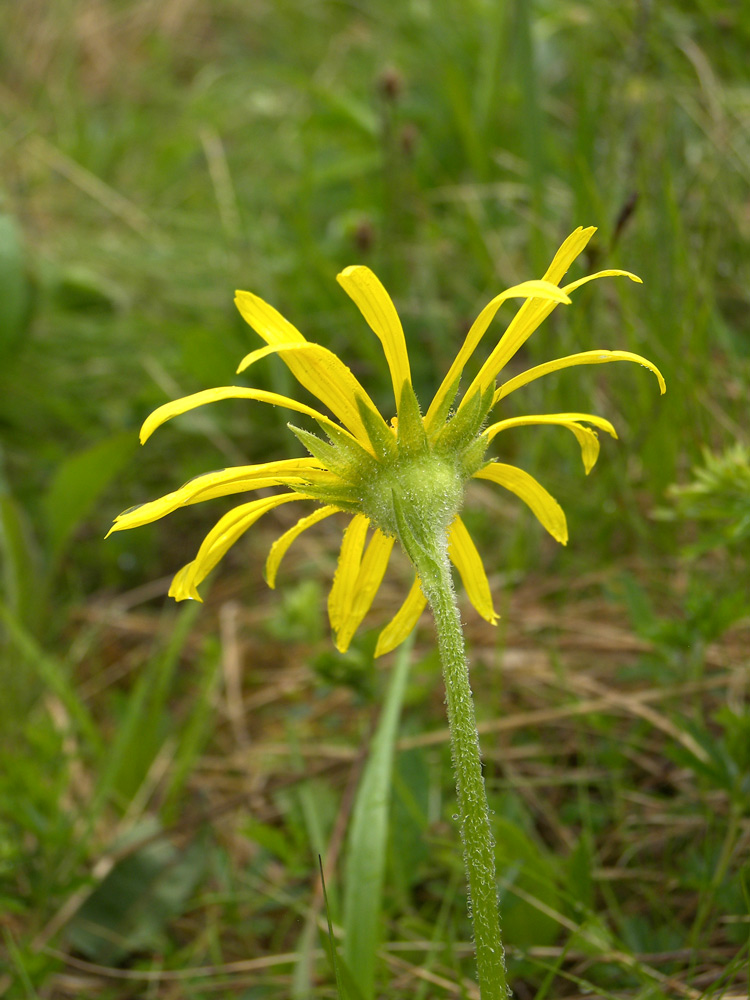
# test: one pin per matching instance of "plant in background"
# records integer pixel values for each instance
(718, 498)
(404, 481)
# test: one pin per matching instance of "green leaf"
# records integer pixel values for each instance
(16, 287)
(144, 724)
(79, 482)
(52, 672)
(409, 851)
(194, 730)
(131, 908)
(368, 838)
(350, 109)
(80, 289)
(521, 862)
(19, 560)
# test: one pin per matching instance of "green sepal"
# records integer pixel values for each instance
(411, 439)
(472, 459)
(441, 414)
(361, 460)
(418, 545)
(325, 453)
(381, 437)
(461, 430)
(343, 497)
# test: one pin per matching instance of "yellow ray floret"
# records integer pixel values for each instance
(547, 510)
(572, 360)
(403, 622)
(609, 273)
(586, 438)
(347, 569)
(536, 309)
(218, 542)
(376, 305)
(324, 374)
(571, 247)
(369, 577)
(220, 484)
(280, 547)
(465, 557)
(531, 290)
(521, 329)
(179, 406)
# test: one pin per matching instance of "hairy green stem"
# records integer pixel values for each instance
(476, 833)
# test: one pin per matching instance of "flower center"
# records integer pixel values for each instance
(430, 486)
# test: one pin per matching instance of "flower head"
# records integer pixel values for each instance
(404, 479)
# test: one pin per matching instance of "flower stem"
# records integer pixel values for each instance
(476, 833)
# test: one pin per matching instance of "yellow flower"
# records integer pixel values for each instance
(404, 479)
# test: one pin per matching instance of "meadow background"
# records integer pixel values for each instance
(169, 775)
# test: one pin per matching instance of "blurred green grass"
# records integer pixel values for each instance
(154, 156)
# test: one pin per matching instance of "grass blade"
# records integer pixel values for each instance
(368, 837)
(346, 987)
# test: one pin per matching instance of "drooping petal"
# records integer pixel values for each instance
(609, 273)
(547, 510)
(178, 406)
(588, 441)
(530, 290)
(373, 301)
(325, 375)
(523, 326)
(371, 571)
(586, 438)
(570, 361)
(535, 310)
(345, 577)
(279, 548)
(403, 622)
(219, 484)
(218, 542)
(465, 557)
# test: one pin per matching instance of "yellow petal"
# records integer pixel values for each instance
(533, 313)
(571, 247)
(180, 588)
(465, 557)
(375, 304)
(610, 273)
(267, 322)
(219, 540)
(263, 352)
(586, 438)
(370, 576)
(547, 510)
(279, 548)
(178, 406)
(584, 358)
(327, 377)
(403, 622)
(526, 290)
(319, 370)
(219, 484)
(350, 557)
